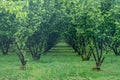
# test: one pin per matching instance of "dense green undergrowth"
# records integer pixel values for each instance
(60, 63)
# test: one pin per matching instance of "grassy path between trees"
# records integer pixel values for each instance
(60, 63)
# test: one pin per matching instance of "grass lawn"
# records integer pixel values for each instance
(60, 63)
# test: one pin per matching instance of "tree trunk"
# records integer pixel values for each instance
(21, 57)
(5, 45)
(115, 51)
(5, 50)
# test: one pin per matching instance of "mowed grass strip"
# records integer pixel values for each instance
(60, 63)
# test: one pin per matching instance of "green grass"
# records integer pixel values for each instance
(60, 63)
